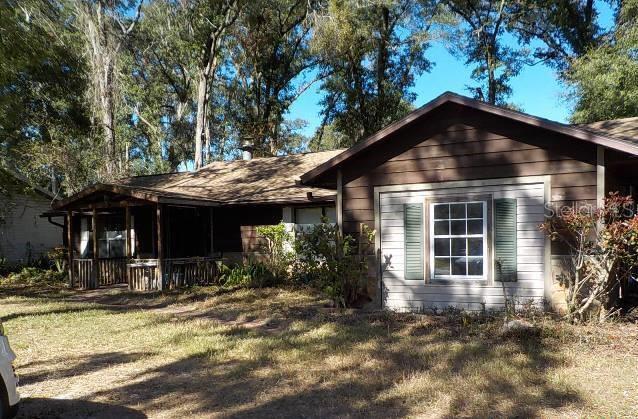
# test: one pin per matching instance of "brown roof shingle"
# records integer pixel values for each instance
(260, 180)
(622, 129)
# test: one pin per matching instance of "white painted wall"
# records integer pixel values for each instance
(403, 295)
(23, 233)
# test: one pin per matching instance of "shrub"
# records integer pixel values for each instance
(34, 276)
(58, 258)
(249, 275)
(337, 264)
(42, 263)
(603, 246)
(277, 246)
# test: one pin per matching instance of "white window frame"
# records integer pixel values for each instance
(102, 236)
(432, 236)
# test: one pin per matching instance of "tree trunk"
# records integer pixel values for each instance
(202, 87)
(108, 127)
(202, 128)
(97, 21)
(206, 74)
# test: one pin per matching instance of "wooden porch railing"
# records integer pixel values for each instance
(143, 274)
(190, 271)
(83, 273)
(109, 272)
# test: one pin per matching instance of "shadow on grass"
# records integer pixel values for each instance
(113, 299)
(269, 356)
(115, 295)
(74, 409)
(523, 394)
(77, 366)
(64, 310)
(360, 365)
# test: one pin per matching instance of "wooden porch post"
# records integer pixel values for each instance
(339, 203)
(127, 217)
(69, 244)
(211, 231)
(95, 248)
(160, 249)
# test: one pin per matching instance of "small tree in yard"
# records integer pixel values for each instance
(603, 246)
(334, 262)
(278, 249)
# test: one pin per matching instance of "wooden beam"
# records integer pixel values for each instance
(127, 220)
(95, 248)
(212, 231)
(188, 202)
(69, 243)
(108, 205)
(116, 189)
(160, 248)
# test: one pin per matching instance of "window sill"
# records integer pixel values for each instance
(449, 281)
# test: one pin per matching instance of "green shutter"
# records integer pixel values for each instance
(505, 238)
(413, 237)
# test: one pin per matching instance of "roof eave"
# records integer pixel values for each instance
(287, 201)
(154, 197)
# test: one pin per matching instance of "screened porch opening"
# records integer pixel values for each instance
(145, 246)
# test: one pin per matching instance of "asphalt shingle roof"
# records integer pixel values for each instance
(264, 180)
(625, 129)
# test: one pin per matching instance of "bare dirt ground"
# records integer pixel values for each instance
(283, 353)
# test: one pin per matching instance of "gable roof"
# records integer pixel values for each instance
(261, 180)
(593, 135)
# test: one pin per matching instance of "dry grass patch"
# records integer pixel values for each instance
(278, 352)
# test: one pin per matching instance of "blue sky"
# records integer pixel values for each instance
(536, 89)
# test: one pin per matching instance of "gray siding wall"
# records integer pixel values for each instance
(401, 294)
(24, 234)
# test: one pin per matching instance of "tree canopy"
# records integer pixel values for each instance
(93, 90)
(604, 80)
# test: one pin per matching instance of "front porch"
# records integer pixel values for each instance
(149, 246)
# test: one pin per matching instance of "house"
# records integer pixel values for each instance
(456, 191)
(25, 237)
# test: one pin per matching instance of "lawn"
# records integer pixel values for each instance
(282, 353)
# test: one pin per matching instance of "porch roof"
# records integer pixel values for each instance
(265, 180)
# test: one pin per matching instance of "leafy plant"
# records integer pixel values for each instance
(603, 246)
(334, 262)
(34, 276)
(248, 275)
(58, 257)
(278, 248)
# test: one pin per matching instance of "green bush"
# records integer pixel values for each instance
(278, 249)
(249, 275)
(34, 276)
(337, 264)
(321, 257)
